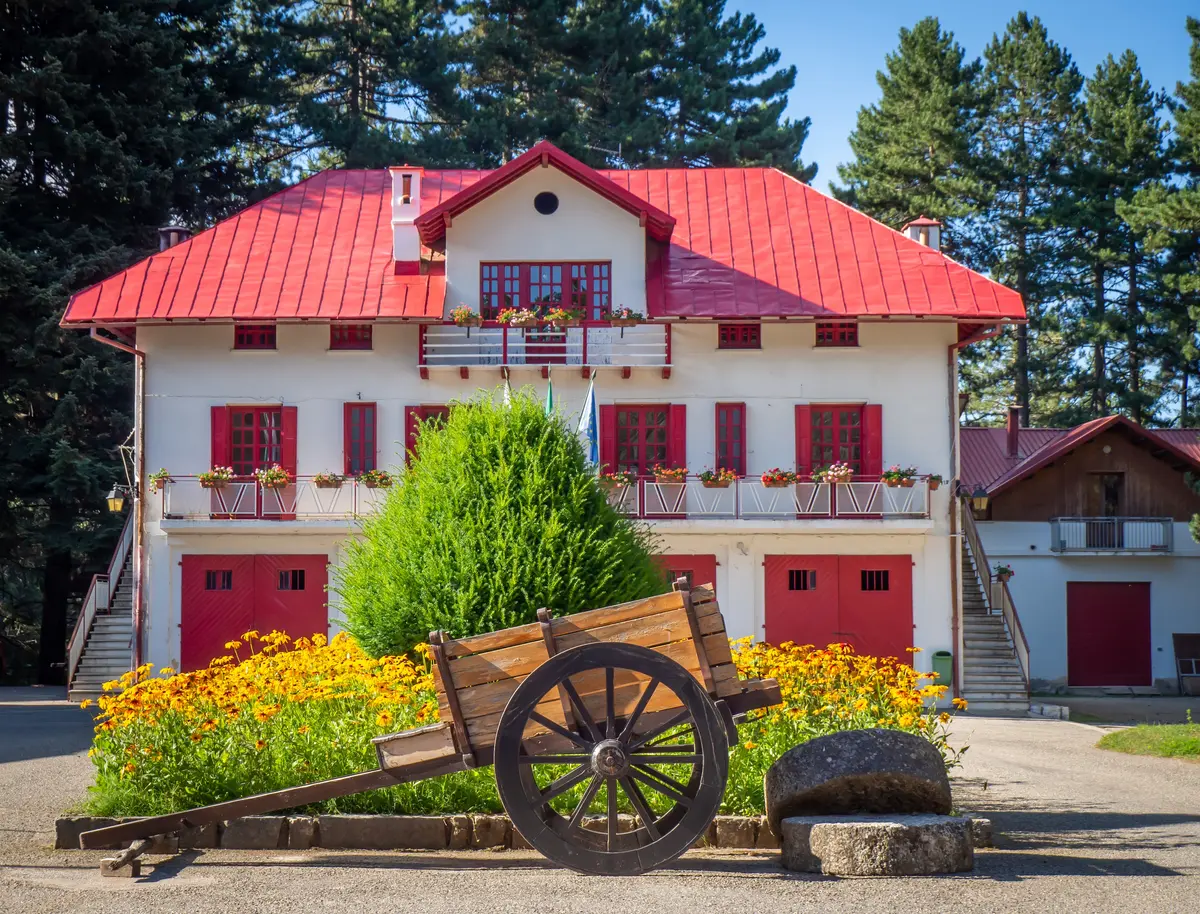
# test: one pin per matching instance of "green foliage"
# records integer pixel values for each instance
(1163, 740)
(497, 515)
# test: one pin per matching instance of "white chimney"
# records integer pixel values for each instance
(925, 231)
(406, 206)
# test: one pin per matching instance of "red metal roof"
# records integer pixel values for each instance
(985, 461)
(747, 242)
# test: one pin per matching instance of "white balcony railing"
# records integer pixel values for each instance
(598, 345)
(1111, 534)
(185, 498)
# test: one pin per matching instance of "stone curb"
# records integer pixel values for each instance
(378, 832)
(1054, 712)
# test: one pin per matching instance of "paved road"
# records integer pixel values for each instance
(1083, 830)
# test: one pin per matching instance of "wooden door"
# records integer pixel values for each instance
(801, 598)
(875, 604)
(289, 594)
(698, 569)
(1108, 633)
(217, 606)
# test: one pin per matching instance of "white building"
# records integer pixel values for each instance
(784, 330)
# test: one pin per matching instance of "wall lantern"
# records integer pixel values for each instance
(116, 499)
(979, 500)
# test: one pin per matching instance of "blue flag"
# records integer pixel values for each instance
(589, 423)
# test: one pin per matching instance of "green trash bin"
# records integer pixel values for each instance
(943, 665)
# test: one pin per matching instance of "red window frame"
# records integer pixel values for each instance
(359, 428)
(813, 446)
(414, 416)
(253, 336)
(585, 285)
(615, 447)
(350, 336)
(837, 333)
(739, 336)
(730, 450)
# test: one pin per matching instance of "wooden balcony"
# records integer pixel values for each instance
(592, 345)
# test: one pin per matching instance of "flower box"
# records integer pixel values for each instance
(327, 481)
(716, 483)
(907, 482)
(934, 483)
(213, 483)
(624, 322)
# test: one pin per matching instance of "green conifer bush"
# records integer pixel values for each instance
(496, 515)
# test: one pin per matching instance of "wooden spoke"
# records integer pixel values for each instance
(611, 789)
(675, 721)
(553, 759)
(581, 711)
(565, 783)
(666, 759)
(661, 747)
(554, 727)
(656, 742)
(637, 711)
(588, 796)
(642, 807)
(610, 711)
(667, 786)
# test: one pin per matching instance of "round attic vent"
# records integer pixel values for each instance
(545, 203)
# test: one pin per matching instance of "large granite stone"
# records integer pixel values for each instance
(857, 771)
(877, 845)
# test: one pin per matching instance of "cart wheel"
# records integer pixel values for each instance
(640, 712)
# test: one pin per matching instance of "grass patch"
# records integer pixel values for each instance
(1163, 740)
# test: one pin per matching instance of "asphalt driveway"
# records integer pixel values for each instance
(1081, 830)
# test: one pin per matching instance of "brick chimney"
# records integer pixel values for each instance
(925, 231)
(406, 206)
(171, 235)
(1013, 431)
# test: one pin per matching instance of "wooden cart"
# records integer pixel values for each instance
(638, 699)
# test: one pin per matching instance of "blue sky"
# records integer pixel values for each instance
(837, 47)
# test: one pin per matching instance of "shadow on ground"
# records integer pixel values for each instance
(45, 730)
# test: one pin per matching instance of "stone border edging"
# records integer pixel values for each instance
(435, 833)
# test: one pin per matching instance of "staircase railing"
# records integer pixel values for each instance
(98, 599)
(995, 593)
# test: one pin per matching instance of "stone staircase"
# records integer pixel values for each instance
(992, 678)
(107, 651)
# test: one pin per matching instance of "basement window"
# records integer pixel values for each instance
(218, 580)
(799, 579)
(291, 580)
(739, 336)
(254, 336)
(837, 333)
(875, 580)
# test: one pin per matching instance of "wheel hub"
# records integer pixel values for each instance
(610, 758)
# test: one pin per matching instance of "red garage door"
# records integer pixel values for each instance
(1108, 633)
(698, 569)
(865, 600)
(226, 595)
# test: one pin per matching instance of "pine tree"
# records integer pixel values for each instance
(1032, 127)
(913, 149)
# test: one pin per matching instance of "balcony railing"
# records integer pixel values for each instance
(592, 345)
(1112, 534)
(184, 498)
(749, 499)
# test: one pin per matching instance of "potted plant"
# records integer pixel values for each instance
(159, 480)
(610, 481)
(376, 479)
(836, 472)
(327, 481)
(894, 476)
(670, 475)
(216, 478)
(517, 317)
(720, 478)
(1003, 573)
(564, 317)
(776, 478)
(624, 317)
(273, 477)
(465, 317)
(934, 481)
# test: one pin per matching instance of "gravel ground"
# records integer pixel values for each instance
(1128, 709)
(1081, 830)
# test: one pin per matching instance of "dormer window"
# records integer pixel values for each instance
(583, 286)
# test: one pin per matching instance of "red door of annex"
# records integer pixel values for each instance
(865, 600)
(226, 595)
(1108, 633)
(698, 569)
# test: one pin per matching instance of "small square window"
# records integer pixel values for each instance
(350, 336)
(218, 580)
(291, 580)
(801, 579)
(875, 580)
(254, 336)
(739, 336)
(837, 333)
(674, 575)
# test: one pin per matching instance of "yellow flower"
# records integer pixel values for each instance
(959, 703)
(303, 730)
(232, 645)
(86, 703)
(750, 745)
(944, 717)
(384, 719)
(260, 744)
(196, 736)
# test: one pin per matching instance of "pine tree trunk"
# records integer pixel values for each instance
(1183, 398)
(1099, 361)
(1131, 336)
(52, 643)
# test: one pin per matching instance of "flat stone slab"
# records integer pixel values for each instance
(857, 771)
(877, 845)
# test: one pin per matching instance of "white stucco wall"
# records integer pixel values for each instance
(506, 227)
(1039, 590)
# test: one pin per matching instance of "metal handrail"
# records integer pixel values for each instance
(183, 498)
(1112, 534)
(996, 593)
(98, 599)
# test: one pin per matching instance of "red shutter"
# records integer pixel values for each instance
(803, 439)
(608, 439)
(287, 440)
(371, 445)
(347, 444)
(412, 418)
(872, 440)
(677, 435)
(222, 447)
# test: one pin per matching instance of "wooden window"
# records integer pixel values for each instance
(256, 438)
(641, 438)
(414, 416)
(739, 336)
(585, 286)
(731, 437)
(802, 579)
(875, 580)
(350, 336)
(359, 431)
(836, 436)
(218, 580)
(291, 579)
(254, 336)
(837, 333)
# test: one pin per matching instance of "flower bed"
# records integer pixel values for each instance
(290, 714)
